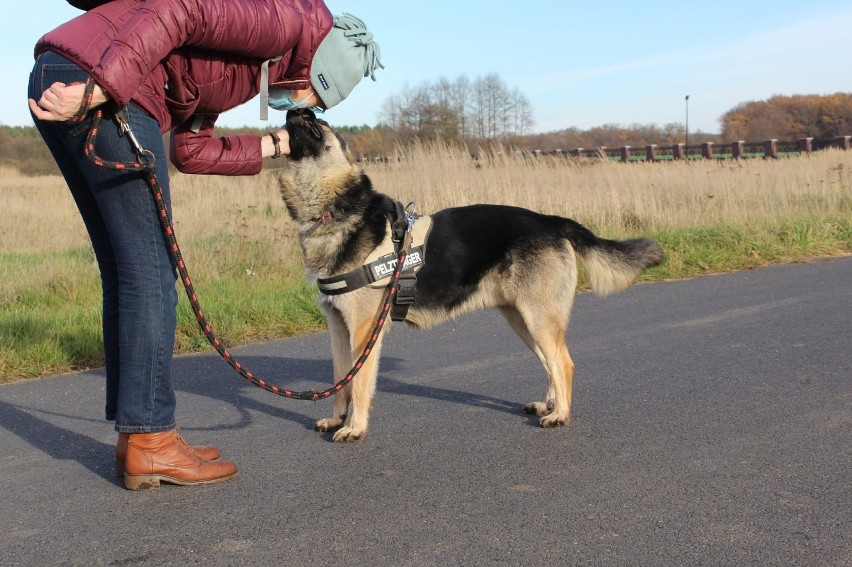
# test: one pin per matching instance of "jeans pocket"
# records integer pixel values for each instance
(66, 73)
(78, 128)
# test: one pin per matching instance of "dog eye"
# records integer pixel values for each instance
(327, 148)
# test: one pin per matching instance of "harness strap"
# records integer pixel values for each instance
(337, 285)
(406, 293)
(401, 223)
(406, 287)
(368, 274)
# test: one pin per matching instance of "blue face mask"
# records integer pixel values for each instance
(280, 99)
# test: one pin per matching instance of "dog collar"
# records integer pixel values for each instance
(328, 216)
(325, 218)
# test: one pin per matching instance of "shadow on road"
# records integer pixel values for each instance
(213, 378)
(58, 442)
(392, 385)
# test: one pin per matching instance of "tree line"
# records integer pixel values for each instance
(789, 118)
(485, 111)
(454, 111)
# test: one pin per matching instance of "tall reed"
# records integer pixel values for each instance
(618, 199)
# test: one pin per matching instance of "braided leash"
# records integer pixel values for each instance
(145, 165)
(88, 94)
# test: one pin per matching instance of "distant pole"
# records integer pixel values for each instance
(686, 146)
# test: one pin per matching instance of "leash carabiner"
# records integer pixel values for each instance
(146, 157)
(411, 215)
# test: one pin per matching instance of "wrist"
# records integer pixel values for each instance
(99, 96)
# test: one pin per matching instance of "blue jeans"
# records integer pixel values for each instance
(137, 272)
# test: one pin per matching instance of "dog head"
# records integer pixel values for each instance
(312, 138)
(320, 168)
(340, 217)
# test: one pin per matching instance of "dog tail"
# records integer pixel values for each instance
(612, 265)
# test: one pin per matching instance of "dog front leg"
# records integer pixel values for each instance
(364, 384)
(341, 355)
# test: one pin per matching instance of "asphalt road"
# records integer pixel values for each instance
(711, 427)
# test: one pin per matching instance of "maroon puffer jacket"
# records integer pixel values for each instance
(180, 58)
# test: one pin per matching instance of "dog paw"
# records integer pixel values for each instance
(346, 434)
(554, 420)
(538, 408)
(328, 424)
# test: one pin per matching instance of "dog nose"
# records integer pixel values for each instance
(300, 113)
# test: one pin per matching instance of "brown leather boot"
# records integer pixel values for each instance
(203, 451)
(165, 457)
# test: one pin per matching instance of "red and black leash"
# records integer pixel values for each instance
(145, 165)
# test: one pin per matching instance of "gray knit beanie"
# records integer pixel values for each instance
(346, 55)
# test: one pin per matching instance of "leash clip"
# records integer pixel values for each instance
(146, 157)
(411, 215)
(124, 124)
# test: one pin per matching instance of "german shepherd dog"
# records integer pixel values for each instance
(482, 256)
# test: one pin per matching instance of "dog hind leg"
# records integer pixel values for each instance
(546, 339)
(516, 322)
(562, 378)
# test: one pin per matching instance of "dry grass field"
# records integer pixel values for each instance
(616, 198)
(612, 198)
(243, 255)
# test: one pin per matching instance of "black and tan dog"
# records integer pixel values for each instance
(482, 256)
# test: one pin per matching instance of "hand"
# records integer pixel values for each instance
(61, 102)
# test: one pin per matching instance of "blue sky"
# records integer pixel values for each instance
(580, 63)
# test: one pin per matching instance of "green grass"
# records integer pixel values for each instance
(244, 310)
(50, 318)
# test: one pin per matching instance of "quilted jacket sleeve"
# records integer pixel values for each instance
(194, 149)
(259, 29)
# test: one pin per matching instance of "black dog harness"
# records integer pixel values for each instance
(380, 264)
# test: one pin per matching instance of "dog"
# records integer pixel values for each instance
(518, 261)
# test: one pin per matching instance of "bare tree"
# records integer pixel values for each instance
(484, 109)
(459, 100)
(523, 114)
(390, 114)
